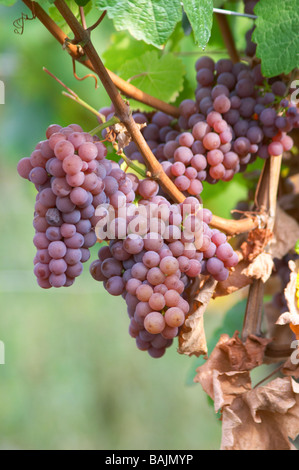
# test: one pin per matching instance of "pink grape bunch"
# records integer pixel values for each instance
(72, 177)
(237, 116)
(151, 269)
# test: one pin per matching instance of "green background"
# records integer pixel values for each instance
(74, 378)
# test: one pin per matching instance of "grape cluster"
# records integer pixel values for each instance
(236, 117)
(154, 257)
(72, 177)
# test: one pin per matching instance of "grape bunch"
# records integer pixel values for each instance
(237, 116)
(158, 249)
(72, 177)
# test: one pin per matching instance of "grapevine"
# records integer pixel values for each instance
(135, 186)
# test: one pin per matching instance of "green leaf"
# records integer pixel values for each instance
(276, 35)
(159, 76)
(297, 247)
(200, 15)
(82, 3)
(123, 48)
(153, 21)
(55, 15)
(137, 164)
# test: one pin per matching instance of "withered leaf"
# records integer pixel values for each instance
(225, 374)
(218, 361)
(256, 242)
(290, 368)
(260, 268)
(192, 338)
(228, 385)
(245, 356)
(292, 316)
(263, 418)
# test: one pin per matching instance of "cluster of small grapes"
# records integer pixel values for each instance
(72, 177)
(157, 252)
(237, 116)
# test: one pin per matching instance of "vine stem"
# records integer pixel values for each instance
(231, 227)
(122, 109)
(127, 89)
(227, 37)
(266, 199)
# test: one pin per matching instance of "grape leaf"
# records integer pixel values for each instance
(123, 48)
(276, 35)
(82, 3)
(56, 16)
(153, 21)
(159, 76)
(200, 15)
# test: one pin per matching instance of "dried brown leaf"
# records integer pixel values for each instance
(263, 418)
(260, 268)
(290, 368)
(192, 338)
(292, 316)
(248, 355)
(226, 373)
(228, 385)
(256, 242)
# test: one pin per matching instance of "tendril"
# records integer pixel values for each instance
(86, 76)
(19, 24)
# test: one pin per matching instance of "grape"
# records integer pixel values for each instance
(169, 332)
(64, 149)
(178, 169)
(53, 234)
(65, 204)
(205, 62)
(132, 285)
(187, 108)
(155, 276)
(182, 183)
(144, 292)
(57, 280)
(156, 301)
(275, 148)
(211, 141)
(72, 165)
(214, 157)
(174, 317)
(172, 298)
(154, 323)
(38, 176)
(222, 104)
(224, 251)
(183, 155)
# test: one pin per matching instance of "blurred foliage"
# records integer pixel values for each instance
(73, 378)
